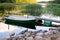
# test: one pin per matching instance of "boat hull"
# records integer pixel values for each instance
(23, 23)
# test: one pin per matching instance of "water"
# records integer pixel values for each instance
(18, 30)
(4, 34)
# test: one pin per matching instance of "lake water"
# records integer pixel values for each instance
(4, 31)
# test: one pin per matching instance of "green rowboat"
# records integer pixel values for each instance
(21, 21)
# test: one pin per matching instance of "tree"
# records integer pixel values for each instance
(32, 9)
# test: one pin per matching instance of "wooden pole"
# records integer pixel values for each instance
(27, 29)
(8, 27)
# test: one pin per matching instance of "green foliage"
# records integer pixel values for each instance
(6, 5)
(54, 9)
(56, 1)
(33, 9)
(7, 1)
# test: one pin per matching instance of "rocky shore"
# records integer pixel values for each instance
(35, 35)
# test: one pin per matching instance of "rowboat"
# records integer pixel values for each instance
(24, 21)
